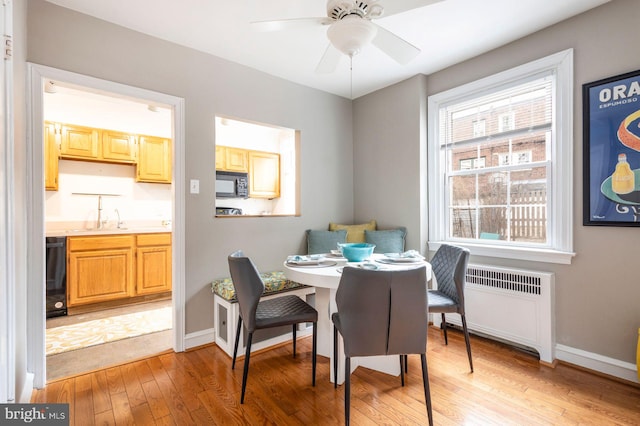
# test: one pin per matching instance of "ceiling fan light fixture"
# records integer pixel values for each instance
(350, 34)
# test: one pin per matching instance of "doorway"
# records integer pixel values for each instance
(39, 76)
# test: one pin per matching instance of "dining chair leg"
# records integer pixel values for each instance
(245, 373)
(347, 390)
(314, 352)
(295, 326)
(235, 348)
(335, 357)
(427, 390)
(402, 362)
(467, 341)
(444, 327)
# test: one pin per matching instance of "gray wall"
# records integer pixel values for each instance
(390, 158)
(597, 295)
(64, 39)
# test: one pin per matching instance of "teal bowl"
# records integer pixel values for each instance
(356, 252)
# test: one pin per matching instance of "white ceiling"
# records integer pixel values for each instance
(447, 32)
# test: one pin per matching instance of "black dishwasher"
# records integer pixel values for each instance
(56, 275)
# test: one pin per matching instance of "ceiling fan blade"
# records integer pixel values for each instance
(329, 61)
(285, 24)
(391, 7)
(397, 48)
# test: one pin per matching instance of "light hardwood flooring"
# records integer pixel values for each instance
(198, 387)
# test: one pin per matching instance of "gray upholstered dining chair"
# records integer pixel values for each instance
(381, 313)
(257, 314)
(449, 266)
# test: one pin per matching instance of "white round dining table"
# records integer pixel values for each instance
(325, 277)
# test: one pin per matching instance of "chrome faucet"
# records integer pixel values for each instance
(120, 222)
(100, 221)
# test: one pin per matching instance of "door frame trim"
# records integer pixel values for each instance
(36, 317)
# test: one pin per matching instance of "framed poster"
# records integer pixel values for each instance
(611, 129)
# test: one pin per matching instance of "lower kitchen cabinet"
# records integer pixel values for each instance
(153, 263)
(99, 269)
(112, 267)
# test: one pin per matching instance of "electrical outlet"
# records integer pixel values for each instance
(195, 186)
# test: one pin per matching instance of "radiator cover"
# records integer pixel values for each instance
(514, 305)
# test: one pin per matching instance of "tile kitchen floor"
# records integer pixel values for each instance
(114, 353)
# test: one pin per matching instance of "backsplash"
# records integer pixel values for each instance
(147, 204)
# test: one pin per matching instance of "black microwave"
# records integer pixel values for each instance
(232, 185)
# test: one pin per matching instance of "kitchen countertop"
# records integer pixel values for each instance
(107, 231)
(71, 229)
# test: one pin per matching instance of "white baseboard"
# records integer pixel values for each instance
(199, 338)
(599, 363)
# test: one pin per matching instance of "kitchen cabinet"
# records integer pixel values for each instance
(51, 154)
(79, 142)
(118, 147)
(264, 174)
(220, 160)
(153, 263)
(99, 269)
(102, 268)
(152, 155)
(154, 160)
(231, 159)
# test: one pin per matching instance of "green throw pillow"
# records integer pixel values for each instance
(319, 242)
(387, 240)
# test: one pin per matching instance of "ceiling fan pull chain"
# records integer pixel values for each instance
(351, 76)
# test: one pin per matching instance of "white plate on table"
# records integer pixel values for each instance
(398, 258)
(311, 263)
(336, 254)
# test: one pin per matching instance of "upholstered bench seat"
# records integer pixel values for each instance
(274, 282)
(226, 310)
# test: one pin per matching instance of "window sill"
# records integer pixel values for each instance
(517, 253)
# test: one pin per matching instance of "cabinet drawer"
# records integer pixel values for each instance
(99, 243)
(154, 239)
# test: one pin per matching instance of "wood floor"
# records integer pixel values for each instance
(198, 387)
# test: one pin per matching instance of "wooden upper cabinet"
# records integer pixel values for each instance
(236, 159)
(120, 147)
(51, 154)
(79, 142)
(151, 154)
(264, 174)
(220, 157)
(231, 159)
(154, 160)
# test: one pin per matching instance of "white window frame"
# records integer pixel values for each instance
(560, 182)
(472, 163)
(479, 128)
(514, 158)
(509, 116)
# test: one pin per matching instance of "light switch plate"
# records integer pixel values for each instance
(195, 186)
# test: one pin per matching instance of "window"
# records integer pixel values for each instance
(521, 157)
(472, 163)
(506, 121)
(479, 128)
(506, 193)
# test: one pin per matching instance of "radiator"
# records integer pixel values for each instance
(512, 305)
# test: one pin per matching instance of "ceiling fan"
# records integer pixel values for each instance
(351, 27)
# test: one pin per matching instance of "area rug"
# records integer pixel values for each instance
(95, 332)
